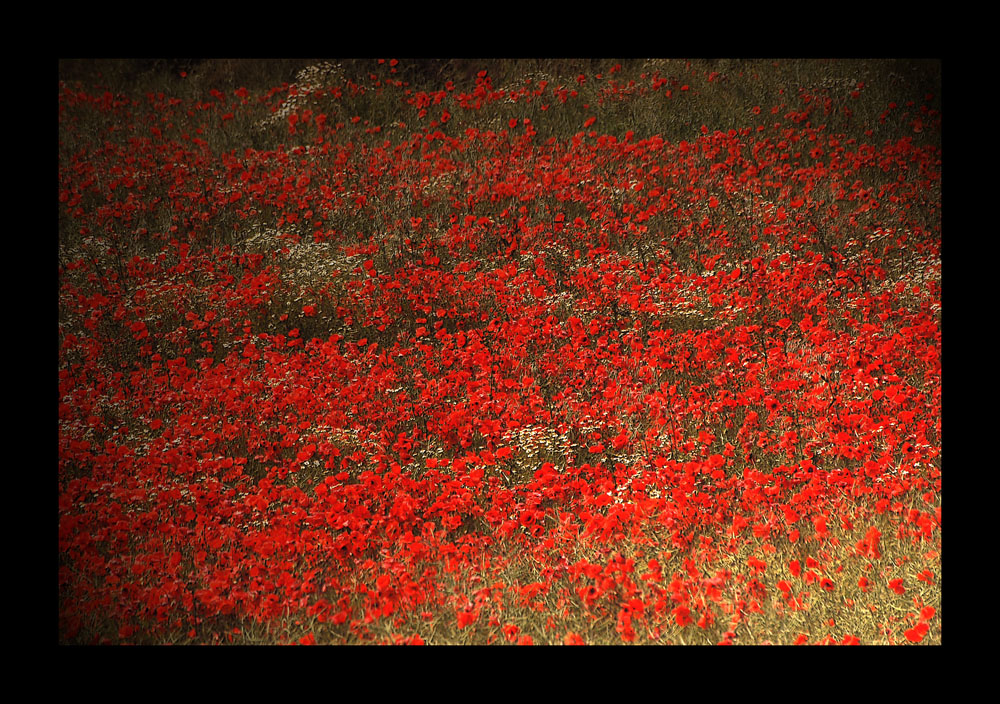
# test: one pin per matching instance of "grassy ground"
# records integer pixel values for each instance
(865, 569)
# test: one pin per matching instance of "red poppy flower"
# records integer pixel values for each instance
(573, 639)
(682, 615)
(917, 633)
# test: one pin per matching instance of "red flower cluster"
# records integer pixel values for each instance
(328, 377)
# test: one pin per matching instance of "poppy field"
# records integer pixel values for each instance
(502, 352)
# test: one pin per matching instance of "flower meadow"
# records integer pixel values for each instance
(508, 352)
